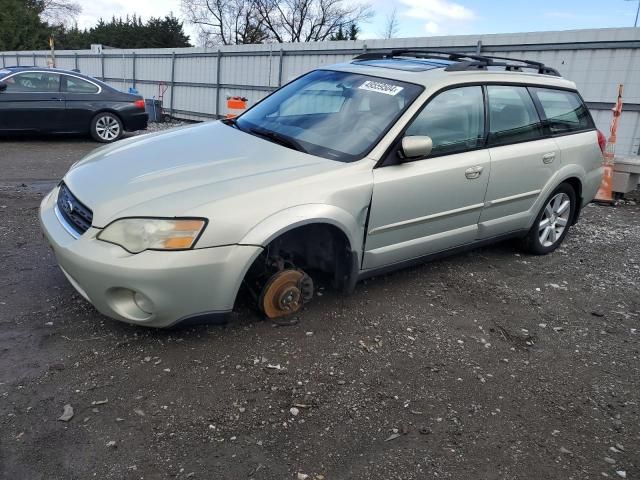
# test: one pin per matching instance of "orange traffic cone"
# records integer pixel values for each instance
(605, 192)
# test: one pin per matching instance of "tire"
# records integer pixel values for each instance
(552, 223)
(106, 127)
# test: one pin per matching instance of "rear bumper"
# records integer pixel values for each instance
(135, 121)
(591, 185)
(179, 286)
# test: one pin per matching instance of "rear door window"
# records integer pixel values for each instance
(564, 111)
(512, 116)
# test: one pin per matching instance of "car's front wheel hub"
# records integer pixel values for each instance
(285, 292)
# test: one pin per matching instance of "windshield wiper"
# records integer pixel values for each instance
(278, 138)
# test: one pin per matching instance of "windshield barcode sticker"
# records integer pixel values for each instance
(380, 87)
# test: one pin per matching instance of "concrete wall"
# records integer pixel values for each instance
(198, 80)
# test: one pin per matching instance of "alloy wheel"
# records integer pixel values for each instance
(555, 219)
(107, 128)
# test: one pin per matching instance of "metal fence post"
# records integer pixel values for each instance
(102, 65)
(218, 83)
(133, 69)
(173, 81)
(34, 59)
(364, 48)
(18, 59)
(280, 66)
(3, 62)
(75, 60)
(479, 47)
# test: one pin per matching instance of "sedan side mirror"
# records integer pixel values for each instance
(416, 146)
(3, 86)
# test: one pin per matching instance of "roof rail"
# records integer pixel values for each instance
(464, 61)
(542, 68)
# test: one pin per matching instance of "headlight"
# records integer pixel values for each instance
(139, 234)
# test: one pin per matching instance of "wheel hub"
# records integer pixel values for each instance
(285, 292)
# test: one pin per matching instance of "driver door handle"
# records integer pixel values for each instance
(549, 157)
(473, 172)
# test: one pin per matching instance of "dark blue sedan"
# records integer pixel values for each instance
(50, 100)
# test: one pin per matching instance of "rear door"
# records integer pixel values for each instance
(523, 159)
(573, 129)
(31, 101)
(81, 100)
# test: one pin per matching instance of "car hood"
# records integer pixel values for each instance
(173, 173)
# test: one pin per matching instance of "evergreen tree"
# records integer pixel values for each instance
(21, 27)
(350, 34)
(339, 35)
(354, 30)
(130, 32)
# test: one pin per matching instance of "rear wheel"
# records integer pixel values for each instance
(553, 222)
(106, 127)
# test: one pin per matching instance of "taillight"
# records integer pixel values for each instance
(602, 141)
(139, 103)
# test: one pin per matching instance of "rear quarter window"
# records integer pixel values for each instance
(77, 85)
(565, 111)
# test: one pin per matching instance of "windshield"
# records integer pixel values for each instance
(336, 115)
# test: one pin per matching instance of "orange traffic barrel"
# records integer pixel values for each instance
(236, 106)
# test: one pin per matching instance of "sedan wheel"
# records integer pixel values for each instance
(106, 128)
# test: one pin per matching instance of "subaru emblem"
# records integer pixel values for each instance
(70, 206)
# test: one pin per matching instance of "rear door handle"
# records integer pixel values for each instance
(549, 157)
(473, 172)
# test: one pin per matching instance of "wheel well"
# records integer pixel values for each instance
(112, 112)
(317, 247)
(576, 184)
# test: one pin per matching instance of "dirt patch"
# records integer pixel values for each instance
(491, 364)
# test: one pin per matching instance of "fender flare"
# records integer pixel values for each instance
(290, 218)
(563, 174)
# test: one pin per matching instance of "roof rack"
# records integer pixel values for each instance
(464, 61)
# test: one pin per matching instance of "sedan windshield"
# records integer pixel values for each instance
(336, 115)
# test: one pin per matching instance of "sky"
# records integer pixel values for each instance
(419, 18)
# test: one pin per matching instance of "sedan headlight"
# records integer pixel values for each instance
(139, 234)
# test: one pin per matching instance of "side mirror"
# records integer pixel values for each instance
(3, 86)
(416, 146)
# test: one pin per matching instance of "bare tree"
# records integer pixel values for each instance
(310, 20)
(60, 12)
(229, 22)
(225, 22)
(391, 26)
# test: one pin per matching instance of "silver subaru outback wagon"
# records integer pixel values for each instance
(348, 171)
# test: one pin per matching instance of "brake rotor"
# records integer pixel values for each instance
(285, 292)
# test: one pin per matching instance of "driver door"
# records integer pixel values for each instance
(430, 204)
(32, 101)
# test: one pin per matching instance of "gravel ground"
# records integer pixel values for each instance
(487, 365)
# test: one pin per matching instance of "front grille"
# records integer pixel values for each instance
(74, 212)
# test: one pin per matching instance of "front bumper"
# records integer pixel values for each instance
(177, 285)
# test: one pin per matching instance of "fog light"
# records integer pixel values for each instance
(143, 302)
